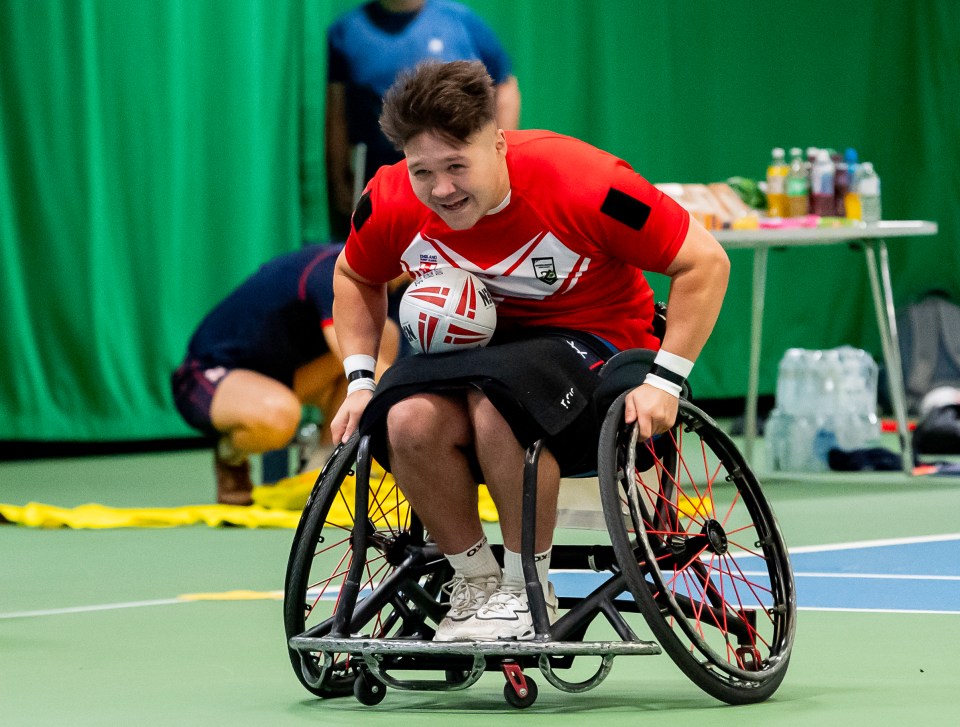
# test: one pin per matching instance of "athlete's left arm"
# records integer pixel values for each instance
(698, 281)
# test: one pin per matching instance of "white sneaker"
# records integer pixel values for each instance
(506, 615)
(466, 598)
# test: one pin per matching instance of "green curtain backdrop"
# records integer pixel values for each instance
(154, 152)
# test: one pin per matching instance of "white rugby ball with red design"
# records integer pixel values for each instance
(447, 309)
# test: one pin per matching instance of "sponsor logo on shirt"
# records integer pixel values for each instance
(427, 264)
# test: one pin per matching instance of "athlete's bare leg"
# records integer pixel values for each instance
(501, 458)
(427, 435)
(254, 412)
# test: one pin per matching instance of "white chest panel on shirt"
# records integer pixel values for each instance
(538, 269)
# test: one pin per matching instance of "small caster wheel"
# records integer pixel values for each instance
(368, 689)
(456, 676)
(520, 701)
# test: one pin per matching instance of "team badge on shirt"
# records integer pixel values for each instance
(545, 269)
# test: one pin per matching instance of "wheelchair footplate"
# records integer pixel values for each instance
(465, 662)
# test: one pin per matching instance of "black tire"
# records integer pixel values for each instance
(515, 700)
(702, 553)
(320, 557)
(368, 689)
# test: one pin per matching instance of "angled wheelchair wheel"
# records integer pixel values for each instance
(701, 551)
(397, 594)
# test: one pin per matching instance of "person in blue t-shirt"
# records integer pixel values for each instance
(367, 47)
(261, 353)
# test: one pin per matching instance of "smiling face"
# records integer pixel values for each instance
(460, 182)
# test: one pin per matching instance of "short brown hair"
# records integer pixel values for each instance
(452, 100)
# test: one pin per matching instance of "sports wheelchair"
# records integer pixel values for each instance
(691, 545)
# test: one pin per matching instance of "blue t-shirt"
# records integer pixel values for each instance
(368, 46)
(272, 322)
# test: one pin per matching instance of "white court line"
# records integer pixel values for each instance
(801, 549)
(95, 607)
(875, 543)
(919, 611)
(867, 576)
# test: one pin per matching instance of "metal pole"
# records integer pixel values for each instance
(890, 342)
(756, 334)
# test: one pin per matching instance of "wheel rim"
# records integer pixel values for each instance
(317, 587)
(709, 549)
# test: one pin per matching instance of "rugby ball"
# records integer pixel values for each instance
(447, 309)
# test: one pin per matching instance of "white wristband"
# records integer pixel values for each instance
(359, 384)
(662, 384)
(359, 362)
(671, 362)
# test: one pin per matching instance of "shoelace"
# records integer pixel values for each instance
(506, 600)
(464, 593)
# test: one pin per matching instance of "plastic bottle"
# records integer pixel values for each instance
(858, 425)
(789, 376)
(307, 440)
(775, 438)
(851, 200)
(852, 160)
(868, 187)
(810, 158)
(792, 427)
(841, 185)
(829, 376)
(799, 448)
(778, 430)
(776, 184)
(797, 185)
(822, 185)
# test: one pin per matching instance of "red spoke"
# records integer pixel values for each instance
(386, 514)
(751, 630)
(744, 548)
(378, 622)
(332, 546)
(326, 582)
(752, 586)
(742, 609)
(733, 504)
(346, 504)
(379, 497)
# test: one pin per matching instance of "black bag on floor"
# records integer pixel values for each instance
(939, 431)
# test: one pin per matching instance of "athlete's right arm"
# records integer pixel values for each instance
(359, 314)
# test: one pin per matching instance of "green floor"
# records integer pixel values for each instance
(133, 653)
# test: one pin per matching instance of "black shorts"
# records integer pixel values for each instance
(542, 385)
(193, 389)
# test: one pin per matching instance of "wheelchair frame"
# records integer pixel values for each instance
(730, 629)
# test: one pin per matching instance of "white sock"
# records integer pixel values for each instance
(513, 569)
(477, 561)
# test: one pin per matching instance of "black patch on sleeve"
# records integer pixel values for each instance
(625, 209)
(363, 211)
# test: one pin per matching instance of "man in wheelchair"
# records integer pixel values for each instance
(560, 233)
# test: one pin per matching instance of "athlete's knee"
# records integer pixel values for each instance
(426, 422)
(276, 420)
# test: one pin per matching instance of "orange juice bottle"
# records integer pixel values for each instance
(776, 184)
(851, 200)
